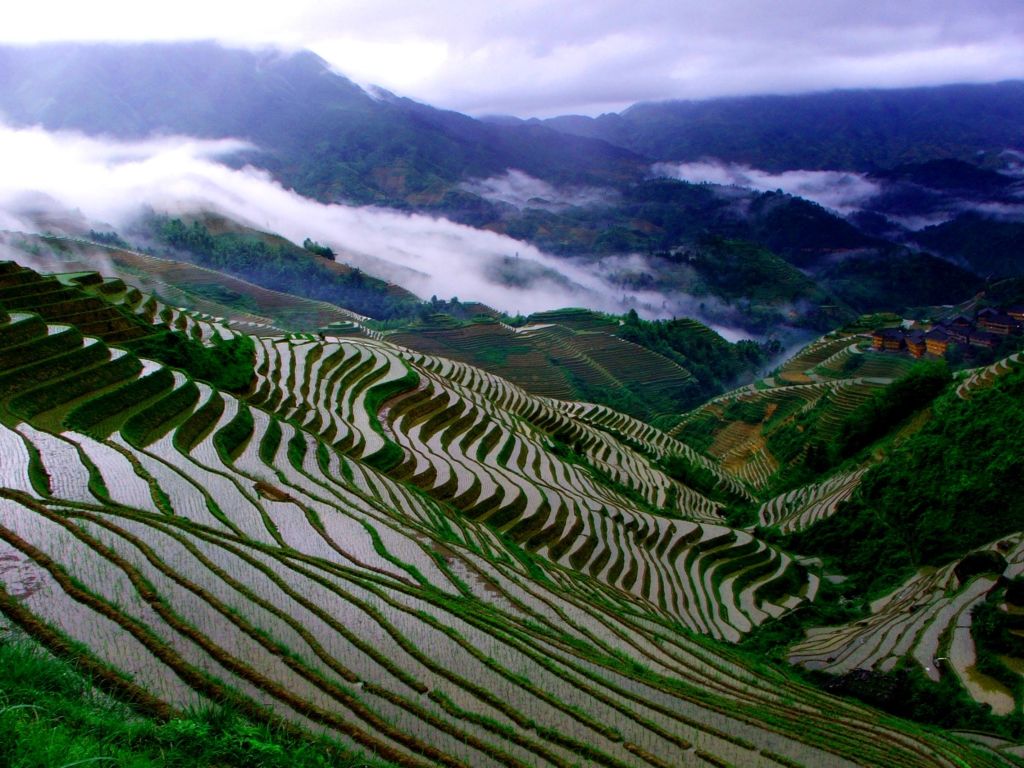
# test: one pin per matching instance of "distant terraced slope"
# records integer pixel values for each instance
(826, 381)
(979, 378)
(179, 283)
(186, 547)
(569, 355)
(803, 507)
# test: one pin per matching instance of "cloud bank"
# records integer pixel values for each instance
(539, 59)
(844, 192)
(66, 181)
(521, 190)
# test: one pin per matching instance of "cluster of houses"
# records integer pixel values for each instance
(986, 329)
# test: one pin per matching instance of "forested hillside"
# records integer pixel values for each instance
(855, 130)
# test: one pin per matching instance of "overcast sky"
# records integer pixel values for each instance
(546, 57)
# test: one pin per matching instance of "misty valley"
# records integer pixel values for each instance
(339, 429)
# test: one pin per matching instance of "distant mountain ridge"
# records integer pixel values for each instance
(292, 103)
(315, 130)
(858, 130)
(322, 135)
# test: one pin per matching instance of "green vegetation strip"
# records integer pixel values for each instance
(32, 351)
(198, 425)
(151, 423)
(36, 401)
(37, 474)
(391, 454)
(53, 712)
(21, 330)
(92, 412)
(270, 441)
(233, 436)
(43, 371)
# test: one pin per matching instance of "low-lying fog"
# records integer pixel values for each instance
(521, 190)
(107, 183)
(841, 191)
(847, 192)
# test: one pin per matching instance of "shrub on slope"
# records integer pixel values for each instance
(283, 267)
(228, 364)
(715, 362)
(951, 487)
(875, 418)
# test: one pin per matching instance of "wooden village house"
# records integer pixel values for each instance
(936, 342)
(987, 329)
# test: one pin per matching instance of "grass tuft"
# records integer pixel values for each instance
(52, 716)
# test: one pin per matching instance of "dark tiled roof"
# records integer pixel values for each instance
(937, 334)
(999, 319)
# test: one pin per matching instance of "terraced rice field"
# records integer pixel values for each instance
(926, 622)
(885, 365)
(979, 378)
(735, 428)
(555, 355)
(521, 361)
(797, 370)
(576, 320)
(738, 423)
(841, 363)
(648, 440)
(65, 301)
(338, 553)
(801, 508)
(473, 440)
(841, 356)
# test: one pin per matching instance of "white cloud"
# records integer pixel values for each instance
(521, 190)
(915, 223)
(399, 65)
(842, 191)
(113, 182)
(529, 57)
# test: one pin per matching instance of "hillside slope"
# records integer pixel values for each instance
(313, 128)
(366, 544)
(577, 355)
(897, 485)
(853, 130)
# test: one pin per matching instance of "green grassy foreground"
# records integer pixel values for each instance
(52, 716)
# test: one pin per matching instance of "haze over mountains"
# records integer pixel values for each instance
(595, 212)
